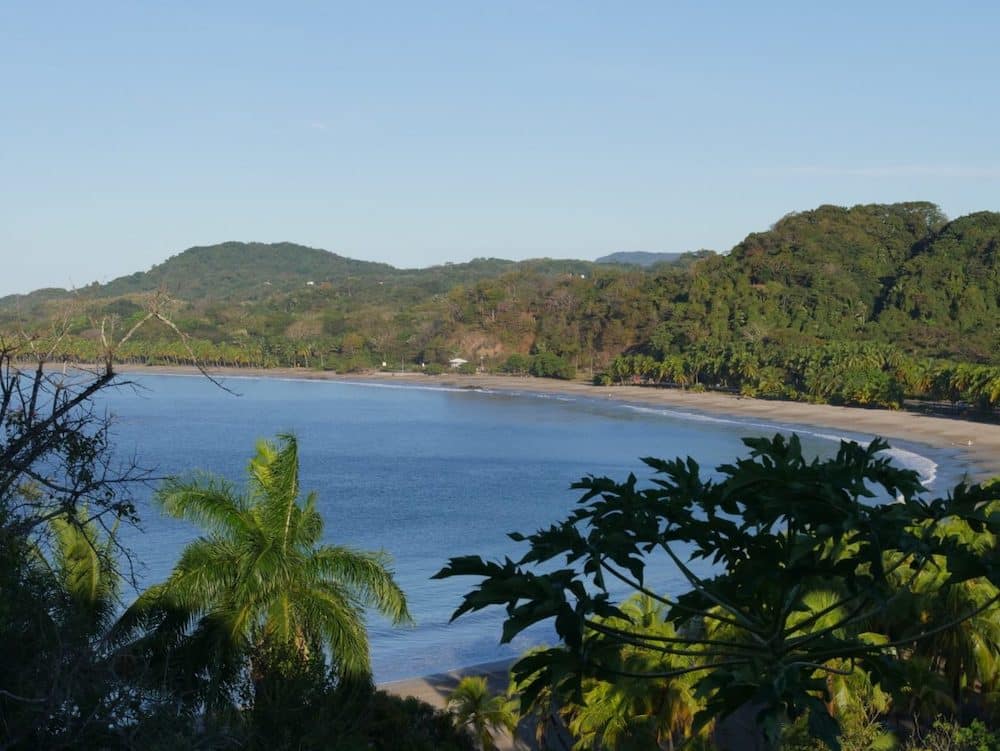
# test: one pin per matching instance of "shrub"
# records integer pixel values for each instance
(549, 365)
(516, 364)
(950, 736)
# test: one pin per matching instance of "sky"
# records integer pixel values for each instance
(420, 133)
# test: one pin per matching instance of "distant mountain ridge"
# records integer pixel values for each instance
(638, 258)
(249, 270)
(646, 259)
(254, 271)
(902, 276)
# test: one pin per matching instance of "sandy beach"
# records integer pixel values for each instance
(434, 690)
(977, 444)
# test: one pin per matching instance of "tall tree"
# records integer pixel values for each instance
(777, 527)
(259, 580)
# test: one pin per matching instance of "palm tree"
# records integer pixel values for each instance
(58, 599)
(82, 563)
(258, 580)
(475, 707)
(632, 713)
(968, 653)
(637, 713)
(545, 711)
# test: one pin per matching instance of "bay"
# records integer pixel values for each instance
(424, 473)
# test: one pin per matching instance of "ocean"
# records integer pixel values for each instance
(424, 473)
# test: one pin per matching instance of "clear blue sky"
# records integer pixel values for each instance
(423, 132)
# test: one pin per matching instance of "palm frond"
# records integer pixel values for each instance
(77, 559)
(310, 526)
(275, 468)
(329, 612)
(207, 501)
(84, 569)
(367, 574)
(258, 576)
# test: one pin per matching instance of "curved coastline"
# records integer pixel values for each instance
(974, 445)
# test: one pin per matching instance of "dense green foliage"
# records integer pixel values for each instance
(259, 581)
(256, 641)
(860, 306)
(866, 305)
(823, 607)
(854, 373)
(481, 712)
(57, 681)
(809, 596)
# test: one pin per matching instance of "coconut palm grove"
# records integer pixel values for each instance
(481, 376)
(879, 305)
(826, 603)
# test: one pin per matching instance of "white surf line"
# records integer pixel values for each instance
(925, 467)
(551, 396)
(404, 386)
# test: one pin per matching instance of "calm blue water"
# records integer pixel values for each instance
(424, 473)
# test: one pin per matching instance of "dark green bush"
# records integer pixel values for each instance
(549, 365)
(516, 364)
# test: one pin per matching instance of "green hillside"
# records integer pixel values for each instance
(243, 270)
(862, 305)
(814, 275)
(237, 271)
(946, 298)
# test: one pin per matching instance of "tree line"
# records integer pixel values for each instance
(851, 373)
(838, 619)
(900, 277)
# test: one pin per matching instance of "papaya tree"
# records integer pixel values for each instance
(751, 543)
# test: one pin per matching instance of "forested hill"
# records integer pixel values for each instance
(241, 270)
(947, 295)
(638, 258)
(815, 274)
(874, 285)
(892, 273)
(238, 271)
(648, 260)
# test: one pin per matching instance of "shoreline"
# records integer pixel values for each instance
(976, 444)
(434, 688)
